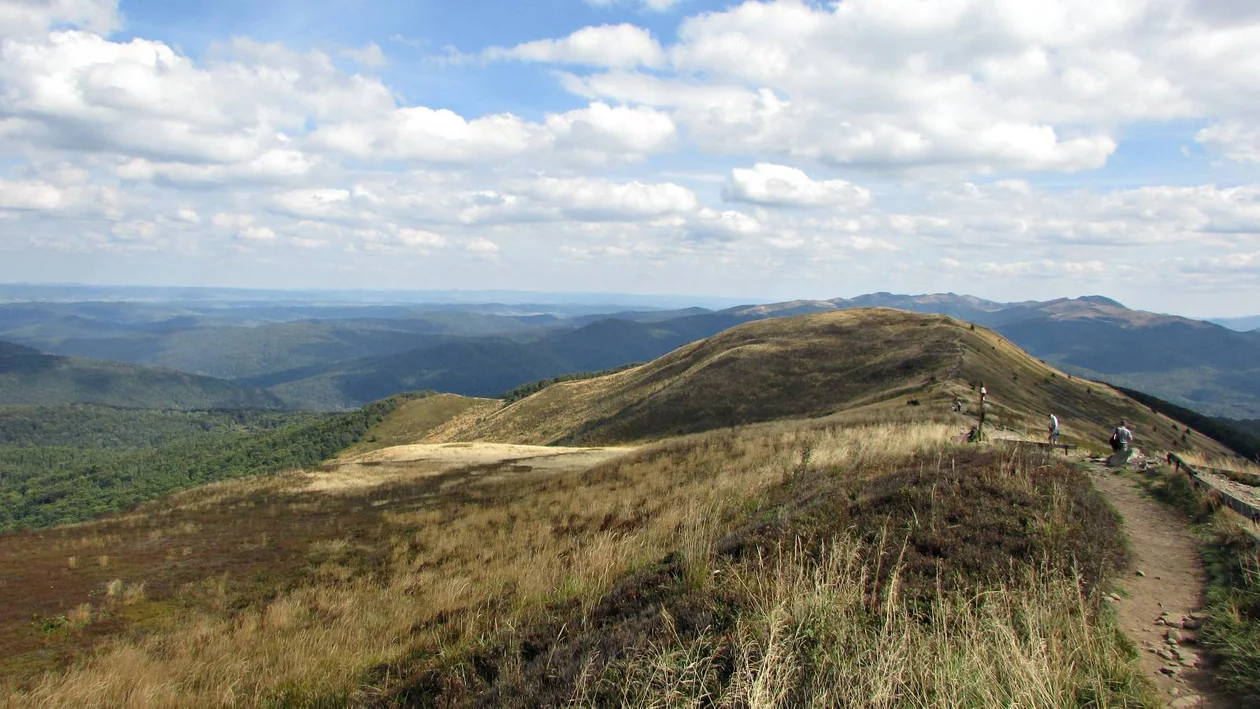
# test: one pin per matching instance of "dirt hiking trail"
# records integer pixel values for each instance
(1162, 595)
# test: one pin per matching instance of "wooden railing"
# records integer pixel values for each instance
(1242, 507)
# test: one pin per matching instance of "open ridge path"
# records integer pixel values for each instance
(1163, 594)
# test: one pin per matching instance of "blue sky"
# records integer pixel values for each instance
(761, 150)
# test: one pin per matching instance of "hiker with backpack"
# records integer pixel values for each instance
(1121, 437)
(1054, 429)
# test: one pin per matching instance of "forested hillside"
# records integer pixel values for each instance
(51, 475)
(489, 366)
(94, 426)
(30, 378)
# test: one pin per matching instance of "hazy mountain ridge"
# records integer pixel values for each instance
(344, 354)
(1245, 324)
(31, 378)
(489, 366)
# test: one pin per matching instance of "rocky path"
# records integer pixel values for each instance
(1160, 599)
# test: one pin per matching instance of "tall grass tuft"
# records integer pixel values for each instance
(809, 634)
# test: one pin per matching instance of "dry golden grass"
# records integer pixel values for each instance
(80, 615)
(811, 636)
(415, 420)
(458, 571)
(1220, 462)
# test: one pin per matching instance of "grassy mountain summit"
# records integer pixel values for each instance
(1194, 363)
(837, 363)
(31, 378)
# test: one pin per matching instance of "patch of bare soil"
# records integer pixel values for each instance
(1160, 600)
(391, 465)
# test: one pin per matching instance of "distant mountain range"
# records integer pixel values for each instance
(29, 378)
(1241, 324)
(340, 355)
(1193, 363)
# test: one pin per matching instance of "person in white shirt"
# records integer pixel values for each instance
(1121, 437)
(1054, 428)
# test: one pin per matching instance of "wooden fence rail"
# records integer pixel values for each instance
(1242, 507)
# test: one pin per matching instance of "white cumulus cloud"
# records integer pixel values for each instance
(602, 200)
(778, 185)
(618, 46)
(483, 247)
(1236, 140)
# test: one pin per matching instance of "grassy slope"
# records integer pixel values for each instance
(414, 420)
(527, 589)
(820, 365)
(39, 380)
(523, 588)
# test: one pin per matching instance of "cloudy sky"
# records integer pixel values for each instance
(765, 150)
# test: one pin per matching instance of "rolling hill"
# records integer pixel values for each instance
(1193, 363)
(31, 378)
(863, 363)
(1197, 364)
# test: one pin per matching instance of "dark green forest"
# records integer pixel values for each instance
(58, 469)
(95, 426)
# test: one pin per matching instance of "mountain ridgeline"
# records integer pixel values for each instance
(863, 362)
(31, 378)
(330, 356)
(1191, 363)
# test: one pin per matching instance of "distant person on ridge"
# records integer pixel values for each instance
(1054, 428)
(1122, 437)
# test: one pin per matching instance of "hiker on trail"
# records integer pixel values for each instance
(1054, 429)
(1121, 437)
